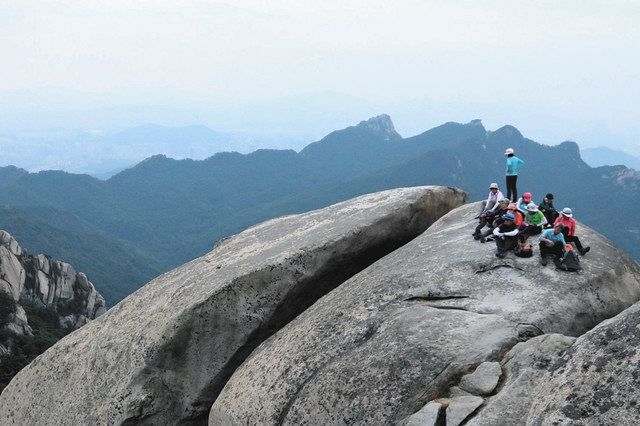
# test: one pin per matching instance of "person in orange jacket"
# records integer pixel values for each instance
(566, 219)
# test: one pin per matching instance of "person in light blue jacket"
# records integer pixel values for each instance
(513, 165)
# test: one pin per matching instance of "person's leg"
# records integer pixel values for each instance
(510, 243)
(481, 224)
(515, 189)
(499, 246)
(483, 206)
(575, 240)
(544, 252)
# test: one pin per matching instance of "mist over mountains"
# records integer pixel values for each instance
(163, 212)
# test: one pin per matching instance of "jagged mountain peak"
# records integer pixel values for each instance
(382, 125)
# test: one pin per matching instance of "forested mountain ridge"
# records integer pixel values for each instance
(163, 212)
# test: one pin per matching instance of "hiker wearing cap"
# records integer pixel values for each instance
(496, 220)
(523, 202)
(513, 208)
(513, 165)
(566, 219)
(492, 200)
(506, 235)
(552, 243)
(534, 222)
(547, 208)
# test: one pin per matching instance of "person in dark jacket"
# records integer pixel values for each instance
(549, 211)
(506, 235)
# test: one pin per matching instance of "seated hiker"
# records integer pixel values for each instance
(534, 222)
(549, 211)
(512, 208)
(523, 202)
(496, 221)
(491, 203)
(506, 235)
(566, 219)
(552, 244)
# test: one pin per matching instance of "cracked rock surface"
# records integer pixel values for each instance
(162, 355)
(402, 332)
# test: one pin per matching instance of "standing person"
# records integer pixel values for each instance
(513, 165)
(534, 222)
(566, 219)
(548, 209)
(552, 244)
(506, 235)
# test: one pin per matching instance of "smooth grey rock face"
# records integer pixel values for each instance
(460, 408)
(402, 332)
(483, 380)
(597, 380)
(525, 368)
(428, 416)
(162, 355)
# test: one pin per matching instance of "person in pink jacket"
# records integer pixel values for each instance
(566, 219)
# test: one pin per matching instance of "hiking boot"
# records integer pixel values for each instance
(544, 261)
(501, 254)
(483, 240)
(585, 250)
(476, 237)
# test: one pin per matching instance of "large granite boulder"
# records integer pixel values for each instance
(163, 354)
(403, 332)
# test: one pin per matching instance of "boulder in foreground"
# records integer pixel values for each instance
(163, 354)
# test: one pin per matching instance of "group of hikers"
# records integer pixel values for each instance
(510, 221)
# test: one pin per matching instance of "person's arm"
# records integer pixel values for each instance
(572, 228)
(561, 237)
(499, 197)
(520, 162)
(544, 221)
(497, 232)
(511, 233)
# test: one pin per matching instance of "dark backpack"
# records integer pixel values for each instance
(524, 250)
(570, 262)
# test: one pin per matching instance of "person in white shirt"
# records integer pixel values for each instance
(491, 204)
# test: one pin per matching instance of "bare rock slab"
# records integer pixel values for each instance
(460, 408)
(163, 354)
(483, 380)
(401, 332)
(429, 415)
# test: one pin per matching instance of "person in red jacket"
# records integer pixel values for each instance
(566, 219)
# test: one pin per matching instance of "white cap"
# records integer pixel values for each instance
(532, 207)
(567, 212)
(493, 186)
(509, 151)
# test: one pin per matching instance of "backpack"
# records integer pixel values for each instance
(569, 262)
(524, 250)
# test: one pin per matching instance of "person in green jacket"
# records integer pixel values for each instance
(513, 165)
(534, 222)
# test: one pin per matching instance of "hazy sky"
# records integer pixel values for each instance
(556, 69)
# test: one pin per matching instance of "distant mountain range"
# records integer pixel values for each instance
(163, 212)
(603, 156)
(103, 154)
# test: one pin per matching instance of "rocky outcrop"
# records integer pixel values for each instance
(45, 282)
(403, 333)
(163, 354)
(555, 379)
(381, 125)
